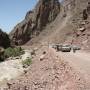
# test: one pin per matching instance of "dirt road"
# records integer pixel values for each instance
(50, 73)
(79, 60)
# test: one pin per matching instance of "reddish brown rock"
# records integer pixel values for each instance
(45, 12)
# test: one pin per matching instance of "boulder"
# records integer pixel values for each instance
(42, 57)
(82, 29)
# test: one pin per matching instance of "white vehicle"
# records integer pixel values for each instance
(76, 47)
(66, 48)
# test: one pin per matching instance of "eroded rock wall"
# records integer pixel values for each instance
(35, 20)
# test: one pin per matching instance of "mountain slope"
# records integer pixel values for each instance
(35, 20)
(51, 73)
(53, 22)
(66, 28)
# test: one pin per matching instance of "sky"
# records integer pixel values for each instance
(13, 11)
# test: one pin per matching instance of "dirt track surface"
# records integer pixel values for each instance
(80, 61)
(51, 73)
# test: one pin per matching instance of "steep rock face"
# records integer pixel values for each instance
(4, 39)
(75, 6)
(80, 22)
(35, 20)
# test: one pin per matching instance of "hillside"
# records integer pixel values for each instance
(35, 20)
(66, 27)
(58, 24)
(50, 73)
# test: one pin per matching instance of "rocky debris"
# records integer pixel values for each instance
(80, 23)
(4, 39)
(42, 57)
(44, 52)
(25, 71)
(82, 29)
(45, 12)
(50, 74)
(9, 84)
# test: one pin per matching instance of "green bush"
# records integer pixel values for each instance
(13, 52)
(27, 62)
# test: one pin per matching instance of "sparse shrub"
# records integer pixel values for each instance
(27, 62)
(13, 52)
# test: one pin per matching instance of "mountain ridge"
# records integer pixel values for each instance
(32, 25)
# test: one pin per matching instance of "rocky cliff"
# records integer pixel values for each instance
(35, 20)
(80, 22)
(55, 22)
(72, 26)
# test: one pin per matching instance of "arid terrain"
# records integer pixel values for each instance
(51, 22)
(52, 72)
